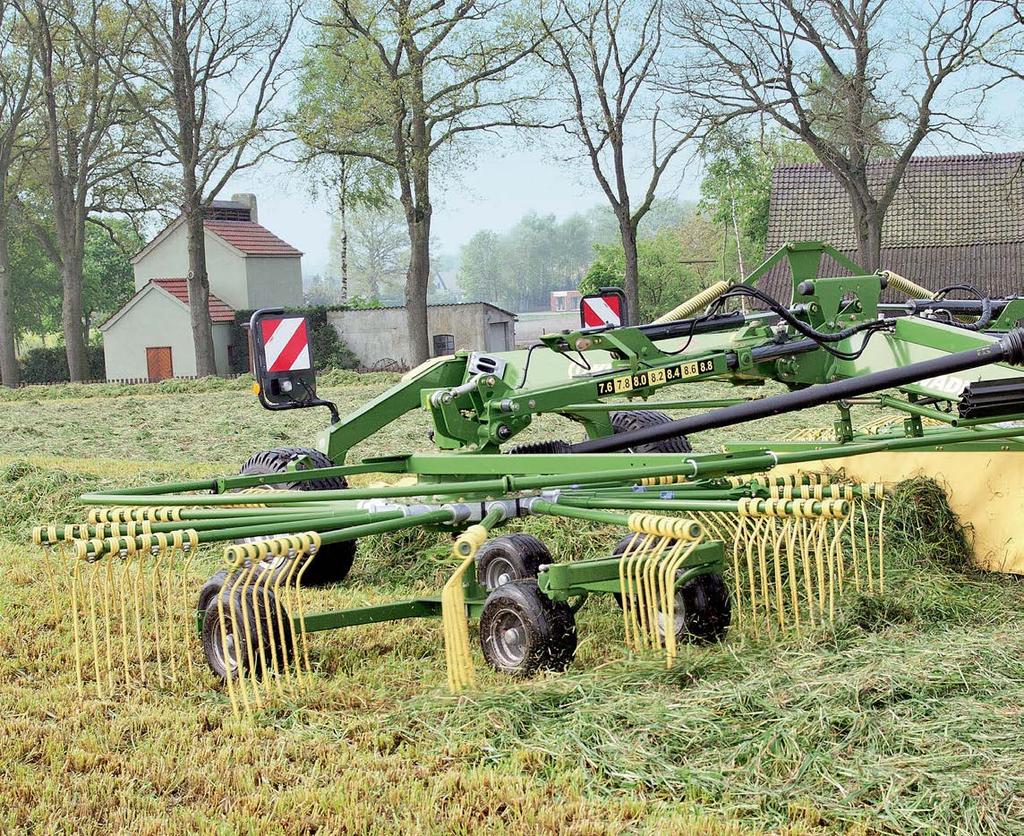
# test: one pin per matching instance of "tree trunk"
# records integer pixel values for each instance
(199, 293)
(71, 313)
(416, 284)
(870, 249)
(868, 226)
(632, 276)
(344, 250)
(9, 372)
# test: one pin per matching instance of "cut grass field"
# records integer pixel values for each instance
(907, 715)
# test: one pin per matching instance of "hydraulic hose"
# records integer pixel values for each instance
(1009, 349)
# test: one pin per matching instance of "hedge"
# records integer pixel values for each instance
(329, 351)
(50, 365)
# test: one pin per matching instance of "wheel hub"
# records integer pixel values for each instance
(508, 637)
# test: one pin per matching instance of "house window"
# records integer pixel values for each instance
(444, 344)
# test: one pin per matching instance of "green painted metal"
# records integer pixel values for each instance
(562, 581)
(392, 611)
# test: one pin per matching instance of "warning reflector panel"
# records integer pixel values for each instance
(605, 308)
(285, 344)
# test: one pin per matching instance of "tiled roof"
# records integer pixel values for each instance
(219, 311)
(941, 201)
(250, 238)
(953, 219)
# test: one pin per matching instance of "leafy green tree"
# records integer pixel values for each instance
(674, 264)
(108, 280)
(17, 102)
(736, 191)
(410, 85)
(35, 284)
(824, 72)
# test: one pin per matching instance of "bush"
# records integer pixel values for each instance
(50, 365)
(329, 351)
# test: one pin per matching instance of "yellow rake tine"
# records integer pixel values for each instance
(805, 559)
(625, 587)
(75, 581)
(286, 571)
(776, 539)
(122, 589)
(247, 614)
(881, 550)
(299, 641)
(94, 630)
(789, 529)
(868, 555)
(108, 576)
(311, 544)
(138, 597)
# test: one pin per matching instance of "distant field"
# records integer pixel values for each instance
(906, 716)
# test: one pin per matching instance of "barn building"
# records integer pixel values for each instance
(150, 337)
(953, 219)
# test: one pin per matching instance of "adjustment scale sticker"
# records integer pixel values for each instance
(654, 377)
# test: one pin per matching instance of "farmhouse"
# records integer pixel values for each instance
(953, 219)
(249, 267)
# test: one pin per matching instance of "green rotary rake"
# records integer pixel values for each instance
(761, 537)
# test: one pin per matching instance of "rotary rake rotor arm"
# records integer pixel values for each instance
(1009, 349)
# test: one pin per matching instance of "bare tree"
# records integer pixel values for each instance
(93, 148)
(16, 105)
(855, 81)
(412, 82)
(609, 54)
(219, 68)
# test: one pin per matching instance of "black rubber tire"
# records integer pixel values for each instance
(703, 601)
(331, 563)
(542, 447)
(210, 589)
(641, 419)
(250, 603)
(511, 557)
(545, 630)
(707, 608)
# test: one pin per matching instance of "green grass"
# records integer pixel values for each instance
(906, 716)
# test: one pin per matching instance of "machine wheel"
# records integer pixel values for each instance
(211, 589)
(523, 631)
(703, 606)
(641, 419)
(706, 609)
(332, 563)
(511, 557)
(242, 632)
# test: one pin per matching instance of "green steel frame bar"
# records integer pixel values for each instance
(696, 466)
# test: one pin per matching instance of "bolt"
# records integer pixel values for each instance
(504, 431)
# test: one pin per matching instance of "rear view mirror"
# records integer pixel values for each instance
(281, 361)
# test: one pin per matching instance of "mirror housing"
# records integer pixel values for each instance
(604, 309)
(281, 361)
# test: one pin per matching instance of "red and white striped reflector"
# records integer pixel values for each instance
(599, 311)
(285, 344)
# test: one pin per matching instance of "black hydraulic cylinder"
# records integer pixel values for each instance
(1009, 349)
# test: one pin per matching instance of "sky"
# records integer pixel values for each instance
(497, 187)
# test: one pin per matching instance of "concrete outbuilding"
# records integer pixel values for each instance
(379, 336)
(150, 338)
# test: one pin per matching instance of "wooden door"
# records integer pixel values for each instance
(158, 363)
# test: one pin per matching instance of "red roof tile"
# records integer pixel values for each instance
(219, 311)
(250, 238)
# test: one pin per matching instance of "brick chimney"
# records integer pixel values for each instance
(249, 200)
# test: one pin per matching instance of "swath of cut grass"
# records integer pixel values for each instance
(905, 715)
